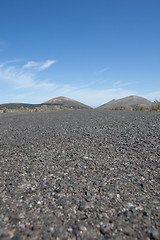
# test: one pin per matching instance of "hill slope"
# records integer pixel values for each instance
(17, 105)
(67, 103)
(127, 101)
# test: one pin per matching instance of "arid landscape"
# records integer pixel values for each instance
(64, 103)
(89, 174)
(79, 120)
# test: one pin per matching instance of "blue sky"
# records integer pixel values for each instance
(88, 50)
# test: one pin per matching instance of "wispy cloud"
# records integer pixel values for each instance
(39, 66)
(21, 78)
(103, 70)
(22, 84)
(122, 84)
(47, 64)
(31, 64)
(9, 62)
(17, 77)
(23, 81)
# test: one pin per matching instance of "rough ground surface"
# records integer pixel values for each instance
(91, 174)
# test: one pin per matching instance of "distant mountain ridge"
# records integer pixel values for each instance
(67, 103)
(127, 101)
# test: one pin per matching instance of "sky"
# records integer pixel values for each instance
(92, 51)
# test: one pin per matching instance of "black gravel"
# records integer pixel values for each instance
(89, 174)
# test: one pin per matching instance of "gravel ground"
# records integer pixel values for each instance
(89, 174)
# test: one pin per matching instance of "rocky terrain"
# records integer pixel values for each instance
(89, 174)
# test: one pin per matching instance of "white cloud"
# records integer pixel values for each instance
(105, 69)
(3, 64)
(23, 81)
(31, 64)
(47, 64)
(17, 77)
(21, 84)
(38, 66)
(122, 84)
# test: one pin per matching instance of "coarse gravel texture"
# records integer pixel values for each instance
(88, 174)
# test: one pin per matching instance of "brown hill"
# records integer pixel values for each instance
(67, 103)
(127, 101)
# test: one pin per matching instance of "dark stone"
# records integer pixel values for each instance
(105, 228)
(3, 232)
(155, 235)
(82, 206)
